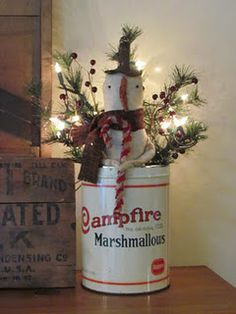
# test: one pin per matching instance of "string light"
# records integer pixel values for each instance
(59, 124)
(184, 97)
(57, 68)
(58, 134)
(165, 125)
(75, 118)
(157, 69)
(180, 122)
(140, 65)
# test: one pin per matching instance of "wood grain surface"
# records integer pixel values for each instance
(193, 290)
(37, 223)
(20, 7)
(25, 56)
(36, 180)
(46, 67)
(13, 145)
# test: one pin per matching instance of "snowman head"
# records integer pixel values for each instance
(122, 92)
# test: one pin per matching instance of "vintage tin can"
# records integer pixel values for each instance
(126, 254)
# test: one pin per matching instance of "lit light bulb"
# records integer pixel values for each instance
(58, 134)
(95, 112)
(75, 118)
(157, 69)
(140, 65)
(165, 124)
(180, 122)
(184, 97)
(59, 124)
(57, 67)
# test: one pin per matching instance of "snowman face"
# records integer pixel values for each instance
(111, 92)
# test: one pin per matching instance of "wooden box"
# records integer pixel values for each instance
(37, 223)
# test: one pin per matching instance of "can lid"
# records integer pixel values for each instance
(151, 171)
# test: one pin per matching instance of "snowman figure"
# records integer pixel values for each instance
(123, 93)
(117, 137)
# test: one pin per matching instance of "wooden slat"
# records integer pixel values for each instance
(15, 115)
(19, 55)
(36, 180)
(11, 144)
(25, 55)
(46, 64)
(37, 245)
(19, 7)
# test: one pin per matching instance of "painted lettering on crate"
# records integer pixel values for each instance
(36, 179)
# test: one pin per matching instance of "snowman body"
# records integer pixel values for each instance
(112, 101)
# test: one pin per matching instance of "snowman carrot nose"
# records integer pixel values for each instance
(123, 93)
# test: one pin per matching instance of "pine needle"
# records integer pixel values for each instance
(131, 32)
(182, 76)
(64, 59)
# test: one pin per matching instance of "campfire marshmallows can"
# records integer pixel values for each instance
(128, 253)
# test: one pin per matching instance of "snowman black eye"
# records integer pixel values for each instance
(109, 86)
(137, 86)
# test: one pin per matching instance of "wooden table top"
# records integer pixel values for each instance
(193, 290)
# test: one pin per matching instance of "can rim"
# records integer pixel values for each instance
(150, 171)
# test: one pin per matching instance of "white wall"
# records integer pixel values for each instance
(197, 33)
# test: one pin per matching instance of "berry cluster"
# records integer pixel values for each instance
(92, 72)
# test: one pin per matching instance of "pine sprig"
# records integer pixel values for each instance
(112, 55)
(174, 139)
(74, 81)
(75, 153)
(182, 76)
(194, 131)
(195, 99)
(131, 32)
(64, 59)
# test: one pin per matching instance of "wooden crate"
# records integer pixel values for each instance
(37, 223)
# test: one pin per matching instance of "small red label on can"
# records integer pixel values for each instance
(158, 266)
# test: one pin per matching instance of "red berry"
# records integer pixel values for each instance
(162, 95)
(172, 113)
(161, 131)
(175, 155)
(87, 83)
(78, 104)
(94, 89)
(172, 89)
(92, 62)
(74, 55)
(63, 96)
(179, 134)
(154, 96)
(194, 80)
(160, 119)
(166, 101)
(92, 71)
